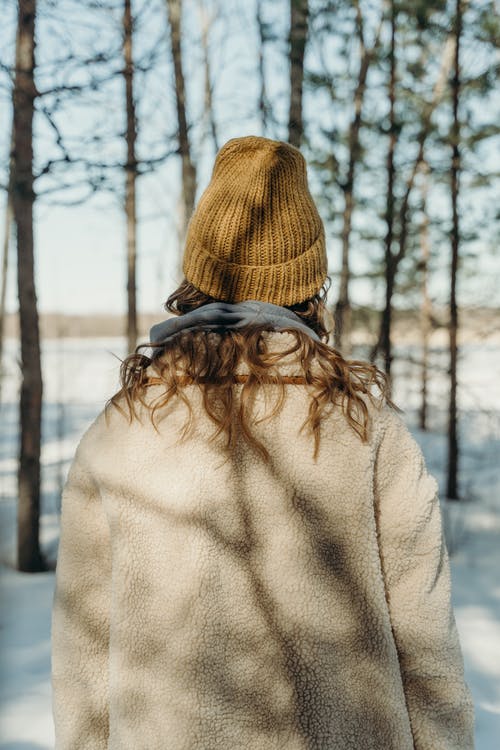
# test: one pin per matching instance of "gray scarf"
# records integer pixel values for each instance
(225, 315)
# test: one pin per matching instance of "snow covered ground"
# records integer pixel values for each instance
(80, 374)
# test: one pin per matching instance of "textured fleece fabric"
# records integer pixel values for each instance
(207, 602)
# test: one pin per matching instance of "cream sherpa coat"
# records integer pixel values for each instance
(206, 603)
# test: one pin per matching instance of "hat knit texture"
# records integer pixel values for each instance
(256, 233)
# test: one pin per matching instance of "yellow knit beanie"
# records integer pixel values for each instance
(256, 233)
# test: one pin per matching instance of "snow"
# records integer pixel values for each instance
(80, 374)
(25, 715)
(476, 595)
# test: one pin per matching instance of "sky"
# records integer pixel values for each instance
(80, 249)
(80, 261)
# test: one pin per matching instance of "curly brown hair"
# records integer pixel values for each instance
(209, 360)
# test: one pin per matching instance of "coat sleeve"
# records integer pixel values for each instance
(80, 616)
(416, 572)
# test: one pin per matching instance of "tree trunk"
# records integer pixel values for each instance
(404, 209)
(29, 557)
(386, 320)
(263, 102)
(9, 215)
(5, 270)
(453, 448)
(130, 178)
(299, 12)
(61, 334)
(343, 314)
(174, 8)
(208, 103)
(426, 308)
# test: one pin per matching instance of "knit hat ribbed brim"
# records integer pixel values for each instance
(256, 232)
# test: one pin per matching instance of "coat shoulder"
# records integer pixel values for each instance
(100, 436)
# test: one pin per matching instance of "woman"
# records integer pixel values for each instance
(251, 549)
